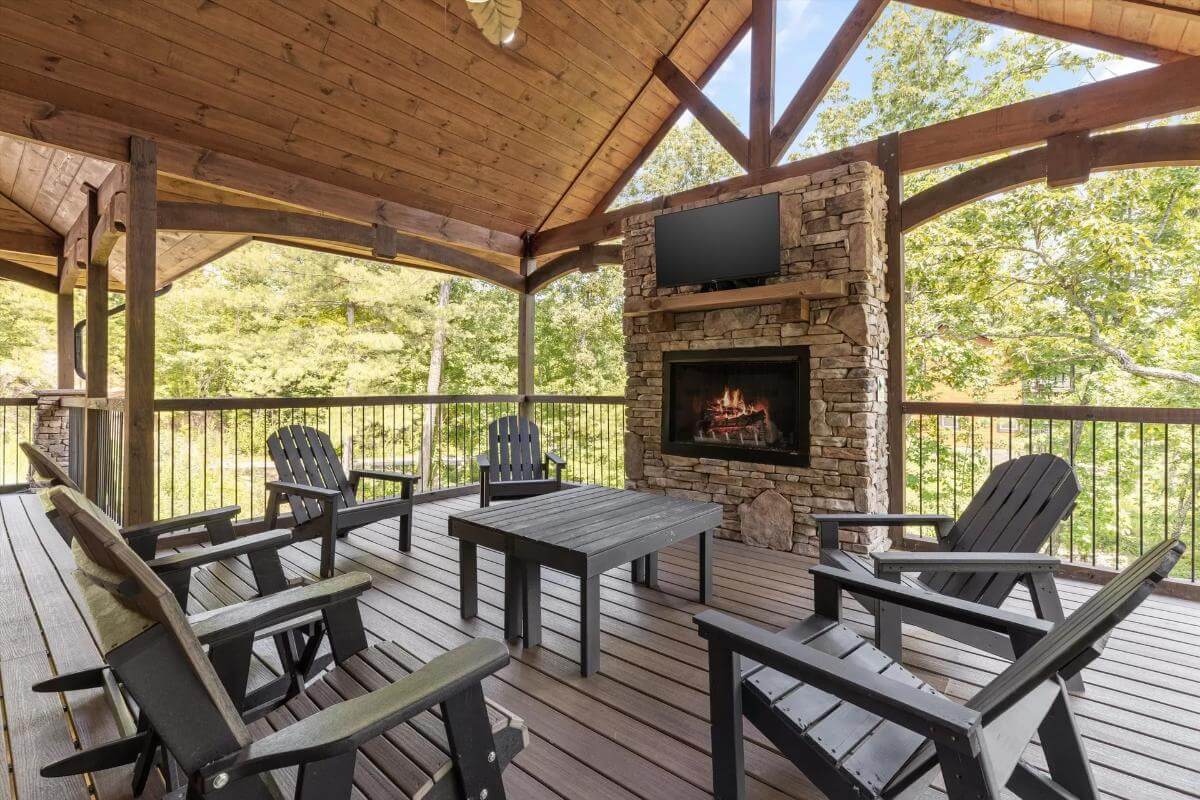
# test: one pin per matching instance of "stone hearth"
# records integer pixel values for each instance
(831, 226)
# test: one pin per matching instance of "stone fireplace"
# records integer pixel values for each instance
(777, 409)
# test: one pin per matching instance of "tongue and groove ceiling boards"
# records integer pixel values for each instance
(397, 112)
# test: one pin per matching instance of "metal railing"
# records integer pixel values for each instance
(16, 425)
(213, 451)
(1136, 468)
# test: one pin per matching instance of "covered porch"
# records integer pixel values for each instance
(636, 729)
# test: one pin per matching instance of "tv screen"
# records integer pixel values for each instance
(723, 242)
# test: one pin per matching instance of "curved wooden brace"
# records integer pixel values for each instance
(583, 258)
(1174, 145)
(385, 243)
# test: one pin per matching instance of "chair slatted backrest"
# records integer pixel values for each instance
(47, 470)
(514, 450)
(306, 456)
(1081, 636)
(127, 601)
(1015, 511)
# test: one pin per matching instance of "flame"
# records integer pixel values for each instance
(733, 400)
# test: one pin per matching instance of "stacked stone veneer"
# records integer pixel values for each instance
(832, 226)
(51, 431)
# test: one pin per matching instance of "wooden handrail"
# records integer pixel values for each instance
(1183, 416)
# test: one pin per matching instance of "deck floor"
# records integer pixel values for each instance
(636, 729)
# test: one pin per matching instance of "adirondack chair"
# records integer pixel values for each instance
(980, 557)
(322, 498)
(514, 465)
(187, 697)
(46, 470)
(858, 724)
(176, 569)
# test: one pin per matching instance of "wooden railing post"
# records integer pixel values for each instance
(889, 162)
(96, 358)
(525, 335)
(140, 277)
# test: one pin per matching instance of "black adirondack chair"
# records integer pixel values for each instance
(980, 557)
(323, 499)
(375, 698)
(514, 465)
(858, 724)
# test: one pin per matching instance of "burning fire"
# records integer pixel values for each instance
(729, 418)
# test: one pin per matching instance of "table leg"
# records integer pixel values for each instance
(468, 587)
(512, 597)
(637, 570)
(531, 579)
(589, 625)
(706, 573)
(651, 578)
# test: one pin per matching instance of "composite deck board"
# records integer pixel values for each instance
(638, 728)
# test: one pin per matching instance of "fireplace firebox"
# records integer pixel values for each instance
(744, 404)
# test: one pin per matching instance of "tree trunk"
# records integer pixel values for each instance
(433, 384)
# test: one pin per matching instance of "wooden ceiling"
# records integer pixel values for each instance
(41, 196)
(402, 102)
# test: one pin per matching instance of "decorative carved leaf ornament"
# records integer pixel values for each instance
(498, 19)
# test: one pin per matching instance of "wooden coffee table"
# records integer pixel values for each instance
(583, 532)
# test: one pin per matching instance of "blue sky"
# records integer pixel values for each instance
(804, 28)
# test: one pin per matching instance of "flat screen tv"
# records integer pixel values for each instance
(724, 242)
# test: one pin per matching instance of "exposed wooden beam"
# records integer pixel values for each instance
(706, 112)
(30, 243)
(1068, 159)
(64, 338)
(586, 256)
(762, 83)
(19, 273)
(44, 122)
(526, 340)
(96, 354)
(270, 224)
(1166, 7)
(897, 373)
(140, 279)
(1054, 30)
(648, 150)
(810, 94)
(1174, 145)
(1149, 94)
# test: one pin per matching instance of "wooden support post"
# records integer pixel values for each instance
(96, 358)
(65, 338)
(762, 83)
(526, 303)
(889, 162)
(140, 276)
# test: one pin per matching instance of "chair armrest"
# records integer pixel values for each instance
(556, 459)
(892, 562)
(828, 524)
(143, 538)
(982, 616)
(483, 461)
(304, 490)
(375, 474)
(268, 540)
(343, 728)
(246, 618)
(928, 714)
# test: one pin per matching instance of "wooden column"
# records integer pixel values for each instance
(96, 356)
(889, 162)
(140, 276)
(65, 339)
(762, 83)
(525, 334)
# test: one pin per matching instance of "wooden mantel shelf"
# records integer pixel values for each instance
(808, 289)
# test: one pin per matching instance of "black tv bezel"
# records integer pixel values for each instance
(770, 274)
